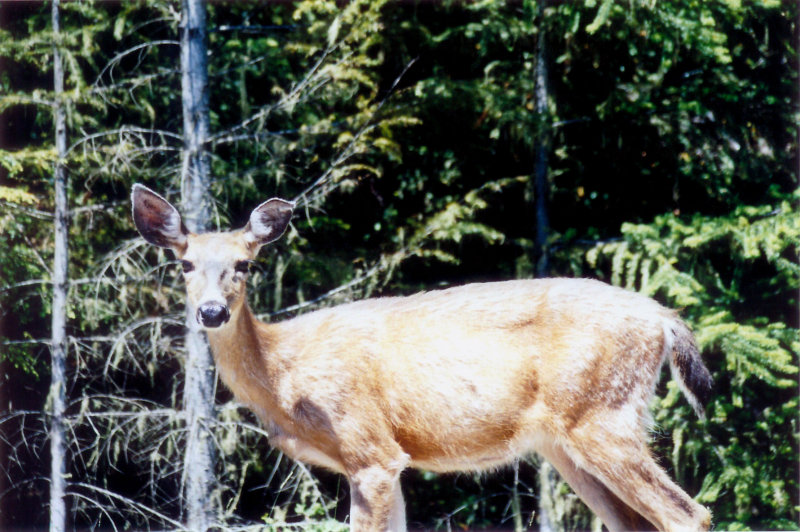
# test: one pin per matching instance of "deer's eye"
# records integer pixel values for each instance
(242, 266)
(187, 266)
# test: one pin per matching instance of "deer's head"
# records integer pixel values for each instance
(215, 265)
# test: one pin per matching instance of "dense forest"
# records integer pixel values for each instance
(652, 145)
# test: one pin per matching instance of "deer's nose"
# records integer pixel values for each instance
(213, 314)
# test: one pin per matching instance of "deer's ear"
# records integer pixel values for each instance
(268, 221)
(157, 220)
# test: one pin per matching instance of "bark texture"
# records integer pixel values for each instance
(548, 480)
(195, 191)
(541, 186)
(58, 345)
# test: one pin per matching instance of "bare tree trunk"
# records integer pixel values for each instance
(549, 511)
(541, 186)
(549, 517)
(198, 395)
(196, 172)
(516, 500)
(58, 346)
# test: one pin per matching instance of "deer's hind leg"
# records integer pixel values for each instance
(624, 465)
(615, 514)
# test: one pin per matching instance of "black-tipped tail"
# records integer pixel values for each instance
(688, 368)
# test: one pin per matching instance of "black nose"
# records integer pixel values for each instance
(213, 314)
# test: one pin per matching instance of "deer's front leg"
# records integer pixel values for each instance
(376, 500)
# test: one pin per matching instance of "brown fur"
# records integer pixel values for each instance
(461, 379)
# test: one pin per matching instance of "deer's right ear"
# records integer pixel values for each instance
(157, 220)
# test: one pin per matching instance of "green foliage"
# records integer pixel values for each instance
(311, 506)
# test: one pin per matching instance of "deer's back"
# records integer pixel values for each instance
(463, 377)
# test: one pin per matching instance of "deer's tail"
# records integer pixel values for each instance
(687, 367)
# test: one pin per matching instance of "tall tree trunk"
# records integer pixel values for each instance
(516, 500)
(550, 511)
(549, 517)
(541, 186)
(198, 395)
(58, 346)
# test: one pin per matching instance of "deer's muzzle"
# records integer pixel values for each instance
(213, 314)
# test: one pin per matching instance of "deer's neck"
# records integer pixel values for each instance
(242, 352)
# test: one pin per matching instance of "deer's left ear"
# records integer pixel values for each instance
(157, 220)
(268, 221)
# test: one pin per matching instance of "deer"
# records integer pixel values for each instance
(467, 378)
